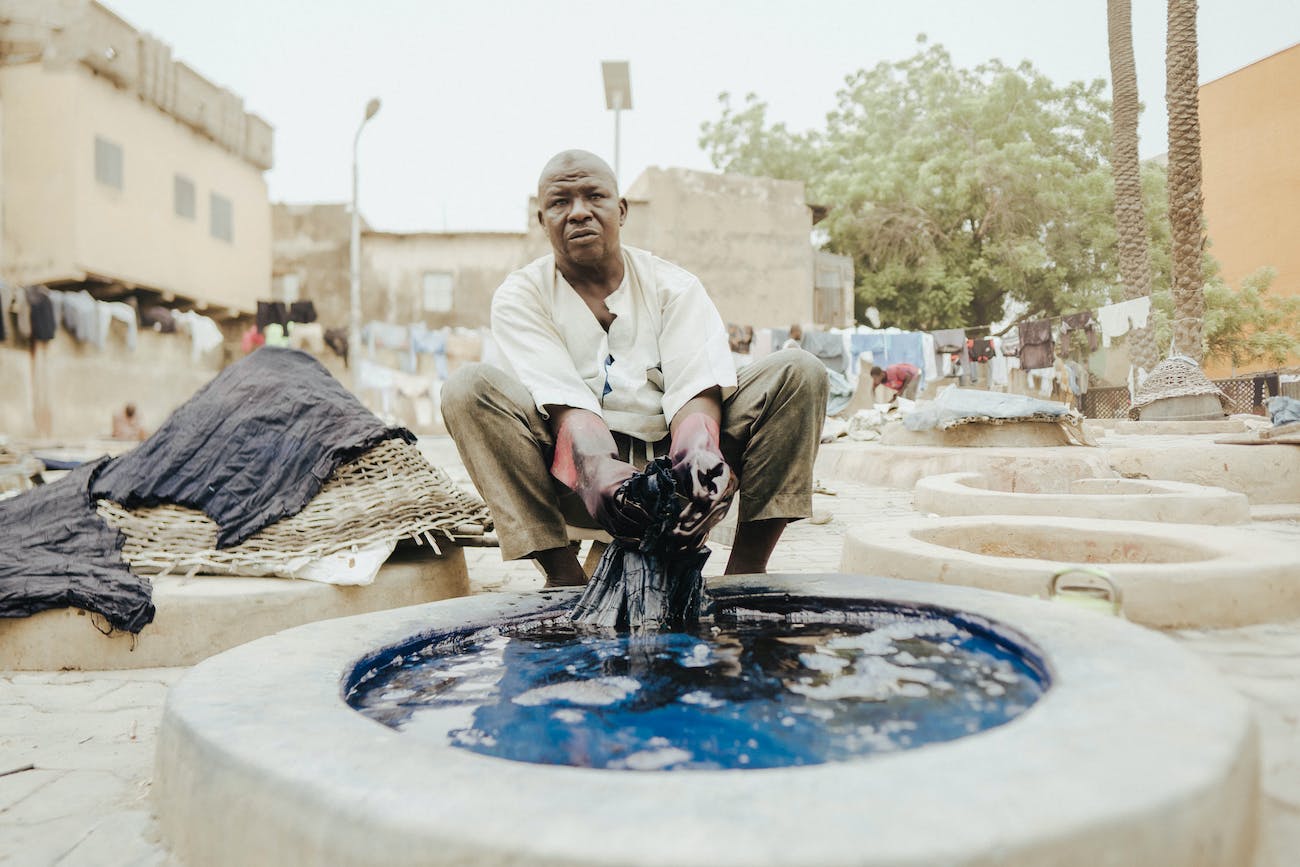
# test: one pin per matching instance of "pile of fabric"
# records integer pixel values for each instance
(271, 468)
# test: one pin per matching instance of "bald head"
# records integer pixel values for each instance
(579, 207)
(570, 164)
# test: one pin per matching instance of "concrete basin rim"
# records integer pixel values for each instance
(1171, 490)
(311, 740)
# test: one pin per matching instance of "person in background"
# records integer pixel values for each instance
(126, 425)
(901, 378)
(795, 340)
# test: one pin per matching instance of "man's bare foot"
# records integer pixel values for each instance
(561, 567)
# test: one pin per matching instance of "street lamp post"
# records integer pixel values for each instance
(354, 252)
(618, 98)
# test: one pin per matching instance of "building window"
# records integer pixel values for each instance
(437, 291)
(108, 163)
(222, 223)
(183, 197)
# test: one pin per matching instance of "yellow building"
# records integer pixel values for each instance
(1250, 152)
(123, 169)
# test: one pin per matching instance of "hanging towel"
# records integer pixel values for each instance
(949, 339)
(1116, 319)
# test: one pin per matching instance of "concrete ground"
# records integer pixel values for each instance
(90, 735)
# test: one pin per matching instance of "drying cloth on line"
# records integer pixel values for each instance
(109, 311)
(303, 312)
(1036, 351)
(1075, 324)
(251, 447)
(160, 319)
(949, 339)
(205, 335)
(271, 313)
(638, 587)
(58, 553)
(829, 349)
(43, 323)
(1116, 319)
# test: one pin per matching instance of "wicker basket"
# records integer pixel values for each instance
(1176, 376)
(387, 494)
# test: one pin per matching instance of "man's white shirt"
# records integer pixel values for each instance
(666, 344)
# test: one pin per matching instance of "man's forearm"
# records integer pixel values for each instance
(579, 434)
(707, 402)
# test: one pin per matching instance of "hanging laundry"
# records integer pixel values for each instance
(980, 349)
(997, 365)
(302, 311)
(205, 335)
(275, 336)
(384, 335)
(160, 319)
(6, 298)
(1036, 350)
(930, 370)
(829, 349)
(1116, 319)
(307, 335)
(1011, 344)
(251, 340)
(271, 313)
(22, 310)
(43, 324)
(1076, 327)
(949, 339)
(110, 311)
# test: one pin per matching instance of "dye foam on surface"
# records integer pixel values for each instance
(752, 690)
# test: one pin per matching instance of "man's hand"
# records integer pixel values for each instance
(703, 479)
(586, 461)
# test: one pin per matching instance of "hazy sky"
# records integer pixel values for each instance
(478, 94)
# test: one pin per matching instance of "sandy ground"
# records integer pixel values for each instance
(90, 735)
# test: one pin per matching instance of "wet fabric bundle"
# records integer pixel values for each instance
(58, 553)
(641, 588)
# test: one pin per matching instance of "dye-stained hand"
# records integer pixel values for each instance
(586, 460)
(704, 480)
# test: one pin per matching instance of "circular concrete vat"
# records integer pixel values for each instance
(1115, 499)
(197, 617)
(1171, 575)
(1136, 755)
(1165, 428)
(1267, 475)
(901, 466)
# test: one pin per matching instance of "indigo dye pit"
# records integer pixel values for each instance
(767, 684)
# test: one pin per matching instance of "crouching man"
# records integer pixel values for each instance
(616, 358)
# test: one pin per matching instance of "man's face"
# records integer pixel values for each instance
(580, 209)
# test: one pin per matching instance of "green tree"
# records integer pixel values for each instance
(1241, 326)
(952, 189)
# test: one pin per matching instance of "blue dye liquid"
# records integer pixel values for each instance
(751, 690)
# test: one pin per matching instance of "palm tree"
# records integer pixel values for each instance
(1130, 213)
(1185, 224)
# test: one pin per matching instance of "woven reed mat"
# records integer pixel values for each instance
(387, 494)
(1176, 376)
